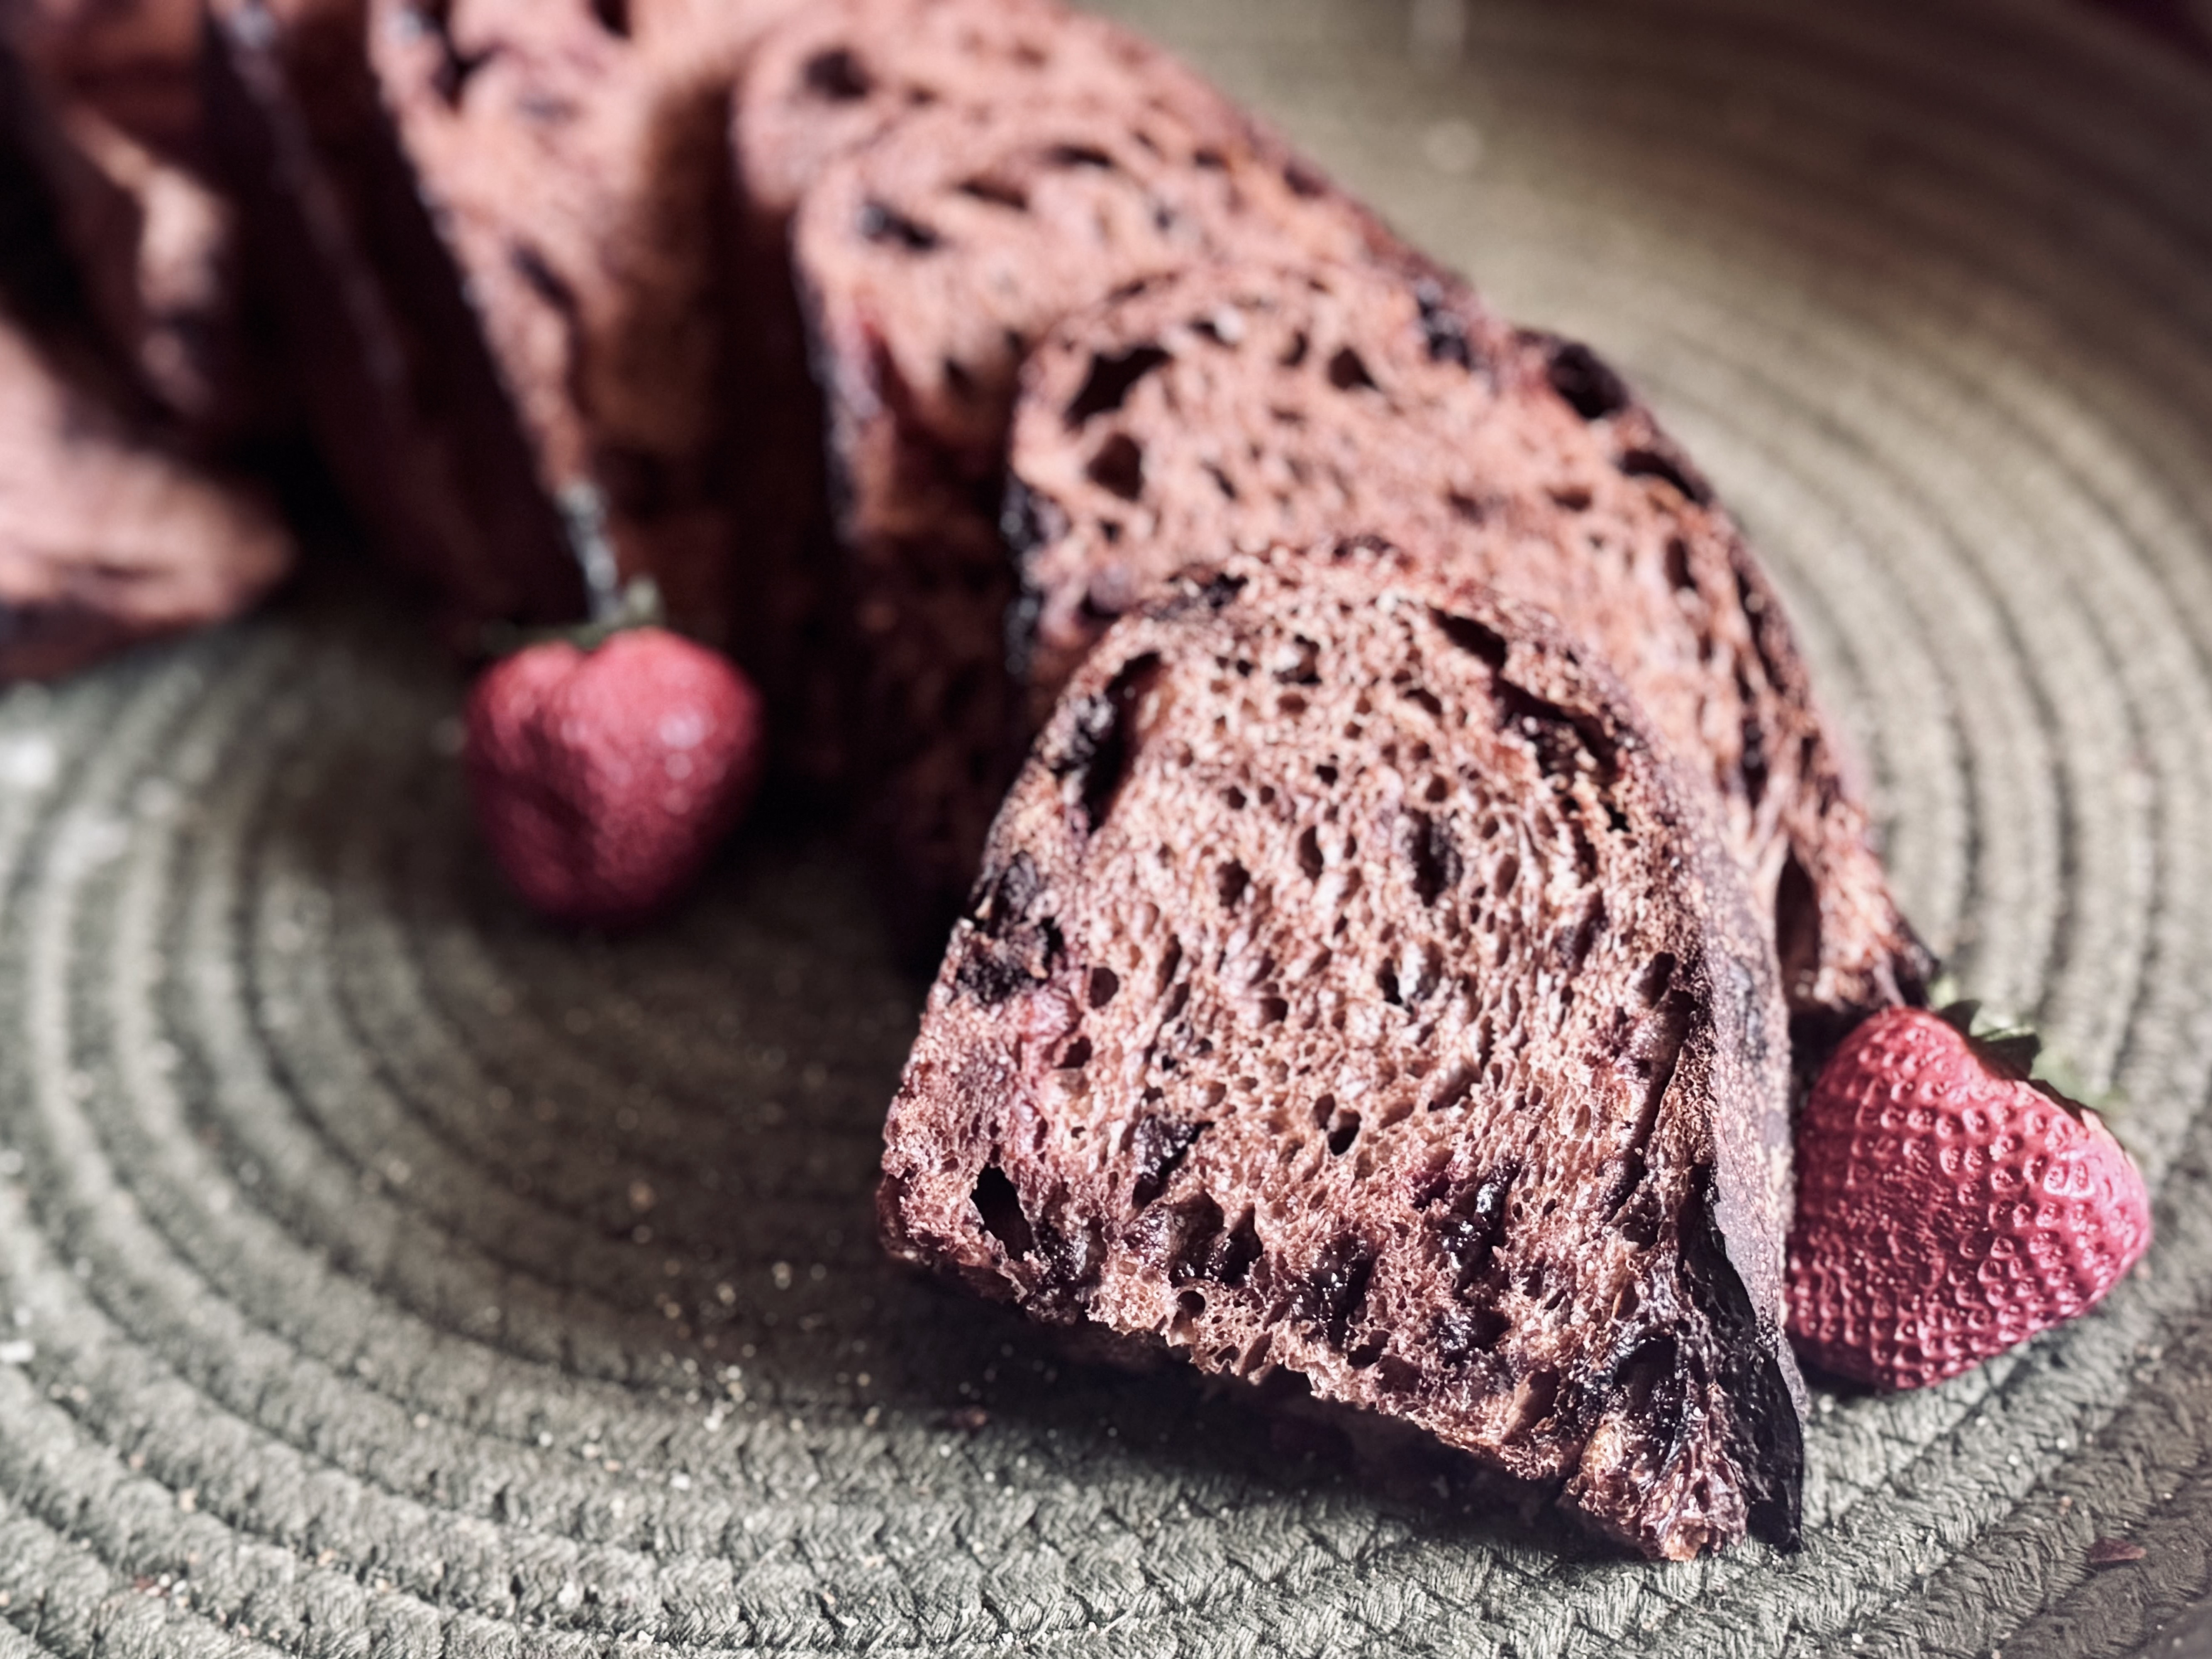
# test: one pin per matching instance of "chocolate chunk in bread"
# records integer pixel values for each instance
(105, 539)
(1237, 405)
(929, 260)
(574, 158)
(1353, 988)
(102, 105)
(406, 403)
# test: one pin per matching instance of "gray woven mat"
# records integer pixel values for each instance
(381, 1273)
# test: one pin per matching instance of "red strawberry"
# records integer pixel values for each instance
(1947, 1208)
(605, 778)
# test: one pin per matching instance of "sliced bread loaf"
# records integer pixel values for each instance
(827, 80)
(1353, 988)
(572, 155)
(929, 260)
(1240, 405)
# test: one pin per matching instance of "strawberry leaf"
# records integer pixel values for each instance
(638, 605)
(2016, 1049)
(1959, 1015)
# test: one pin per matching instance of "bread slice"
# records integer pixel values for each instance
(106, 539)
(838, 74)
(406, 405)
(831, 77)
(101, 104)
(929, 261)
(572, 155)
(1239, 405)
(1353, 988)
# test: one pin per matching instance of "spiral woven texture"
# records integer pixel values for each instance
(382, 1273)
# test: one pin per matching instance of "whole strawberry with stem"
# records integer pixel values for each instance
(1948, 1205)
(606, 767)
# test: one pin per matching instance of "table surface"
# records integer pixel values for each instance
(382, 1272)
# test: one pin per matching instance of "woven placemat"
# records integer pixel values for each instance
(381, 1274)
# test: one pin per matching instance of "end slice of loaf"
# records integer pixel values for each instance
(829, 78)
(1353, 988)
(1241, 406)
(929, 261)
(105, 538)
(406, 404)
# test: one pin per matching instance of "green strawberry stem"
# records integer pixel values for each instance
(584, 514)
(613, 607)
(2015, 1047)
(638, 605)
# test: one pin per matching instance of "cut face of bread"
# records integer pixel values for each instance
(929, 260)
(935, 257)
(407, 406)
(1237, 406)
(1353, 988)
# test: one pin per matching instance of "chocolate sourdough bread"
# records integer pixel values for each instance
(574, 158)
(1353, 988)
(101, 104)
(406, 404)
(929, 260)
(1240, 405)
(829, 78)
(107, 538)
